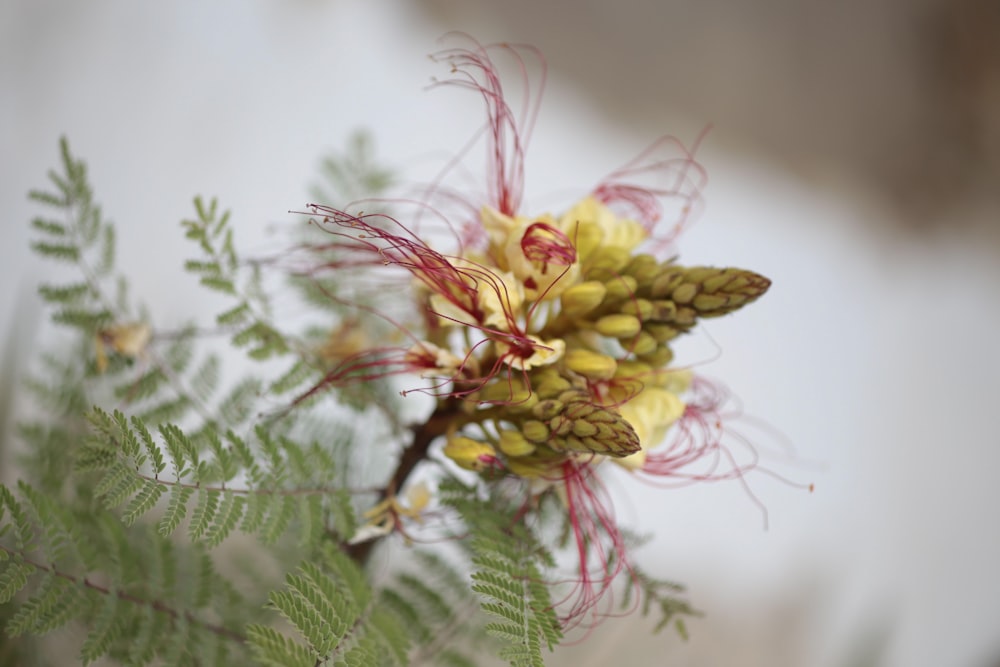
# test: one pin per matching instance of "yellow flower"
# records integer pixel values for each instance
(591, 224)
(544, 352)
(385, 516)
(436, 360)
(539, 254)
(128, 340)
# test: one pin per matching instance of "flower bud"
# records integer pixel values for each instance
(661, 356)
(582, 298)
(504, 390)
(530, 466)
(592, 365)
(670, 278)
(513, 443)
(547, 409)
(469, 454)
(607, 257)
(621, 287)
(661, 332)
(550, 385)
(643, 343)
(584, 426)
(535, 431)
(587, 235)
(618, 326)
(641, 308)
(643, 267)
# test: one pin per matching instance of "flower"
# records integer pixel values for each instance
(554, 330)
(387, 515)
(129, 340)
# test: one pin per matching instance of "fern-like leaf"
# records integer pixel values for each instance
(273, 649)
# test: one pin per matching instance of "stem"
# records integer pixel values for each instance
(423, 435)
(156, 605)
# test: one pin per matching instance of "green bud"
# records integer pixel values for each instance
(667, 281)
(685, 317)
(644, 268)
(641, 308)
(468, 453)
(633, 369)
(535, 431)
(587, 237)
(547, 409)
(584, 426)
(663, 311)
(684, 293)
(712, 292)
(548, 383)
(583, 298)
(642, 344)
(661, 356)
(590, 364)
(661, 332)
(607, 257)
(513, 443)
(618, 326)
(620, 287)
(504, 390)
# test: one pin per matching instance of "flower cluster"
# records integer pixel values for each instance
(552, 333)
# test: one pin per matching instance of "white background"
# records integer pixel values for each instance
(874, 353)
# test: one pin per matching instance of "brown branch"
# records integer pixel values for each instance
(423, 435)
(156, 605)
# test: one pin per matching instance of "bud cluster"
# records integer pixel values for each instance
(644, 304)
(610, 315)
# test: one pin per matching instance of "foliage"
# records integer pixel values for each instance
(166, 521)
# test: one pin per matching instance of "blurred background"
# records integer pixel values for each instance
(854, 158)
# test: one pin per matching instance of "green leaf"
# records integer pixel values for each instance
(229, 515)
(143, 501)
(234, 316)
(203, 514)
(273, 649)
(13, 578)
(219, 284)
(65, 294)
(67, 252)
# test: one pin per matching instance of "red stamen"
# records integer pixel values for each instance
(508, 133)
